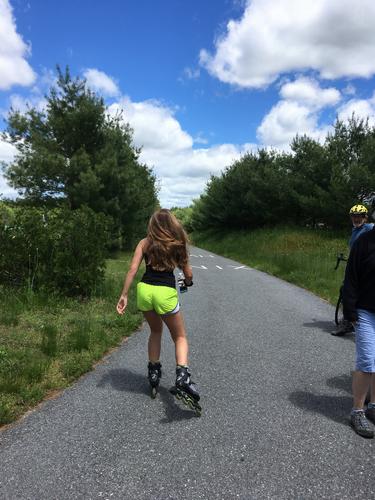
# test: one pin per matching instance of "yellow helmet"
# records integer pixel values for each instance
(358, 210)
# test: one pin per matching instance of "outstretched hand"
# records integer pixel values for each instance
(121, 304)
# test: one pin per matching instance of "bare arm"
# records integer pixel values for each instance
(188, 273)
(134, 266)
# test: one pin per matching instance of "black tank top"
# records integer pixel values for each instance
(159, 278)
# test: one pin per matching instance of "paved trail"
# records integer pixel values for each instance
(275, 391)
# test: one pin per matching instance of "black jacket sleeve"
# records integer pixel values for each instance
(351, 282)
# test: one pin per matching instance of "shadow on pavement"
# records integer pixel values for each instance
(173, 410)
(343, 382)
(125, 380)
(328, 327)
(335, 408)
(122, 379)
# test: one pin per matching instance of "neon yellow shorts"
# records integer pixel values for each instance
(161, 299)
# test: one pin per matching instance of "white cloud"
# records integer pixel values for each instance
(287, 119)
(7, 152)
(180, 191)
(307, 91)
(297, 113)
(349, 89)
(101, 82)
(193, 163)
(155, 127)
(200, 139)
(22, 104)
(35, 98)
(192, 73)
(362, 108)
(5, 190)
(14, 69)
(335, 38)
(182, 170)
(46, 80)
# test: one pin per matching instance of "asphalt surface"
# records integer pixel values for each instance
(275, 389)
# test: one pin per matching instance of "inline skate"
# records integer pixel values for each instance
(154, 376)
(181, 283)
(185, 390)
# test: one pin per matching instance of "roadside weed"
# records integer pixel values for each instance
(47, 341)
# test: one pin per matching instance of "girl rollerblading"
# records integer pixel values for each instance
(163, 249)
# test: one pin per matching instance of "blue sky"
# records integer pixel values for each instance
(200, 82)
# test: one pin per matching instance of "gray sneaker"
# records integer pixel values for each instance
(343, 328)
(361, 425)
(370, 414)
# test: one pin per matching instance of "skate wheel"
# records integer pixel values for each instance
(154, 392)
(198, 412)
(190, 405)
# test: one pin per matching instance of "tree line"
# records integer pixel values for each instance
(313, 184)
(77, 165)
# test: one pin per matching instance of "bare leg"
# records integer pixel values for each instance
(154, 342)
(175, 324)
(360, 386)
(372, 397)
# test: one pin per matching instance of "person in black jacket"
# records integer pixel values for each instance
(359, 217)
(359, 309)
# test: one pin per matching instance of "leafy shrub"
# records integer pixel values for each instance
(57, 249)
(184, 215)
(313, 185)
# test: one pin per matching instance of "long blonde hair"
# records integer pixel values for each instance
(166, 242)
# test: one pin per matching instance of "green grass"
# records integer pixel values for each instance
(47, 341)
(304, 257)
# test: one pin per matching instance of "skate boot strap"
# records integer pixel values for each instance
(151, 364)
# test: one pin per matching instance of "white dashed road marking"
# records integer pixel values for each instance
(217, 267)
